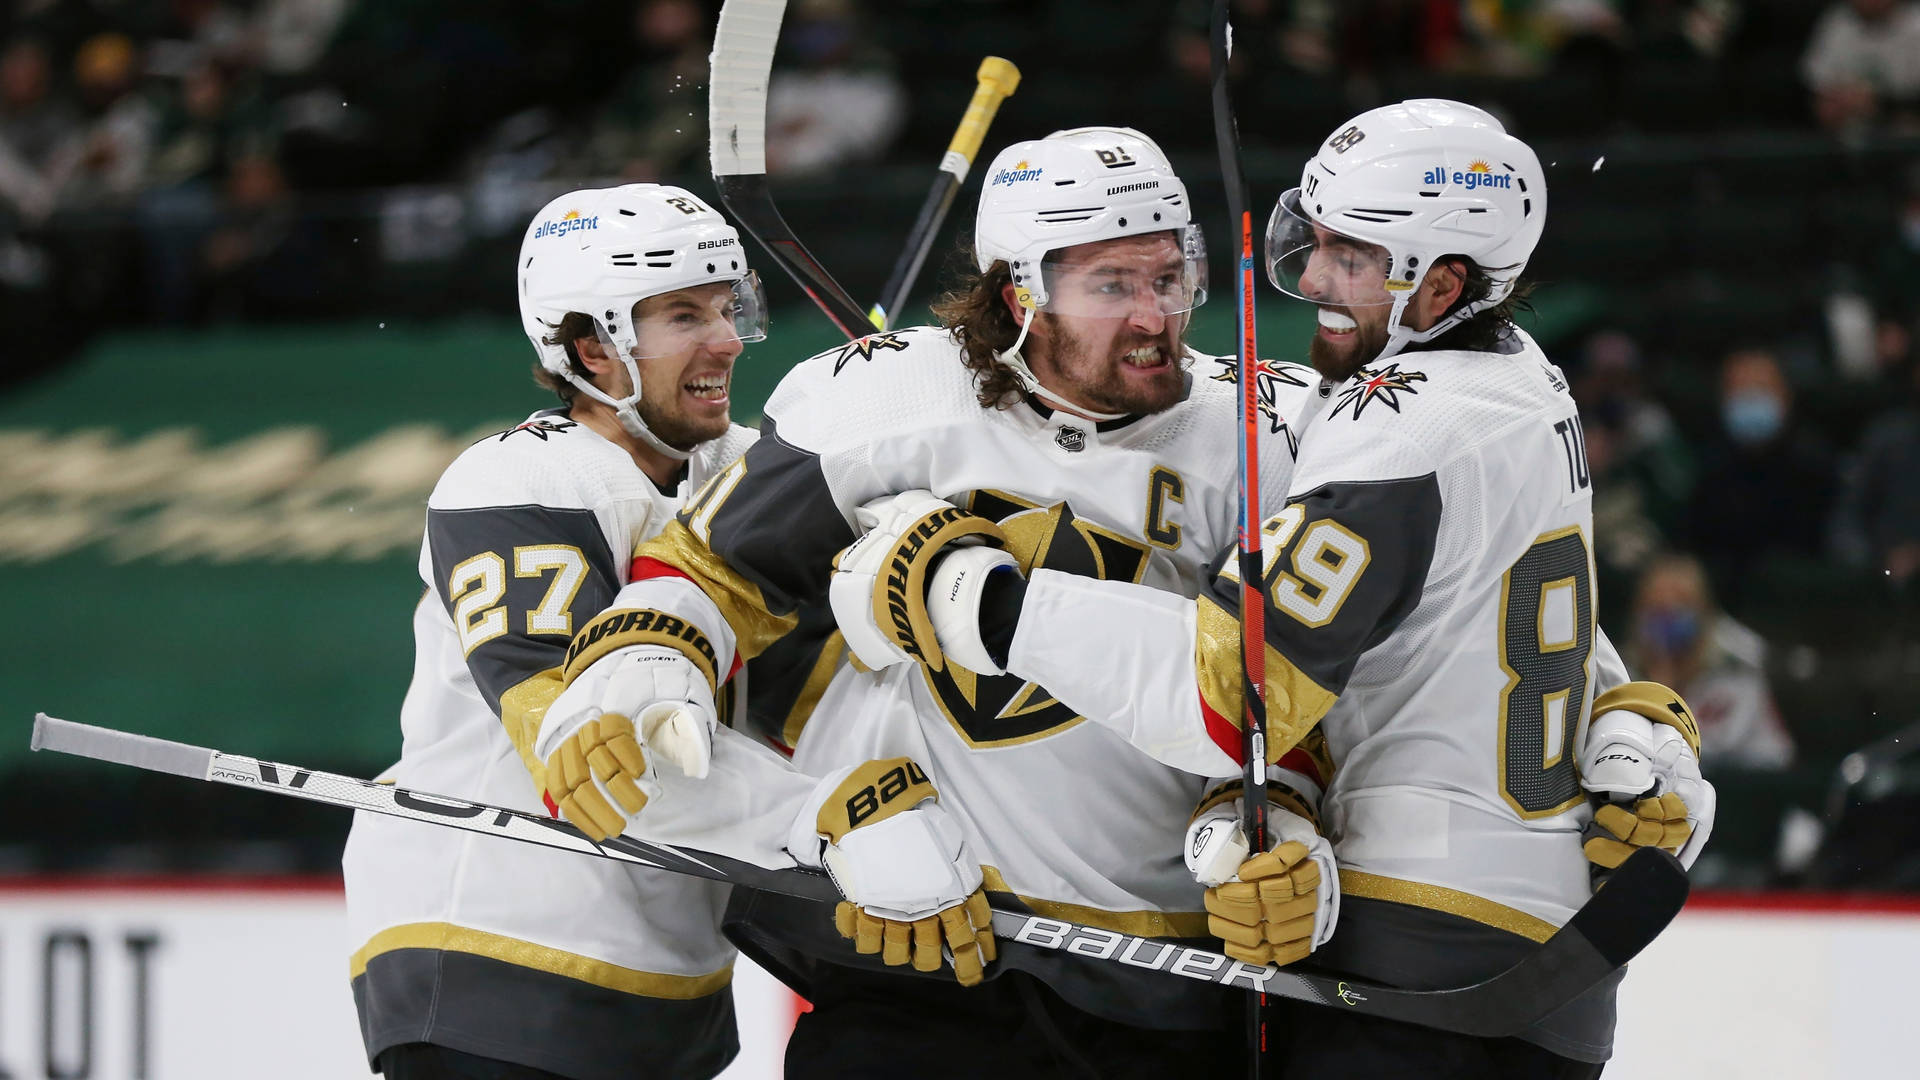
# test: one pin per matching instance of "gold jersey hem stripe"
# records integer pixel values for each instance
(1451, 901)
(1157, 924)
(447, 937)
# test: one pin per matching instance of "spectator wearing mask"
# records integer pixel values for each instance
(1767, 483)
(1681, 639)
(1863, 65)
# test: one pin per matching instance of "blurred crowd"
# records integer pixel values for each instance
(1756, 448)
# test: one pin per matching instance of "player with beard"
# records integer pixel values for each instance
(1055, 418)
(1429, 610)
(477, 958)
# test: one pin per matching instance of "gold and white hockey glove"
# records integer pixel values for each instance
(1640, 759)
(912, 885)
(1273, 908)
(602, 735)
(885, 583)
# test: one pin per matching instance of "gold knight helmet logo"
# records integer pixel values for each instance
(991, 710)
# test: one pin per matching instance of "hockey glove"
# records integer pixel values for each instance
(1640, 759)
(884, 583)
(601, 736)
(912, 885)
(1273, 908)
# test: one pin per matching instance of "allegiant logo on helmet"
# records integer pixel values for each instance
(572, 222)
(1477, 175)
(1015, 175)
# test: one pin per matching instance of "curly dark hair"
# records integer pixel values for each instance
(575, 325)
(973, 310)
(1483, 331)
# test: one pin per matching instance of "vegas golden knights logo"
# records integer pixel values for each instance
(994, 710)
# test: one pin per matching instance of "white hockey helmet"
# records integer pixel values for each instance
(1077, 187)
(600, 251)
(1423, 179)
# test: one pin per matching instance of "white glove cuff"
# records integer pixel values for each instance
(953, 603)
(1616, 756)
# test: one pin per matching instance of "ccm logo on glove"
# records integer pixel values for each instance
(900, 573)
(897, 781)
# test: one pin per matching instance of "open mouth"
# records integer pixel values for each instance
(709, 388)
(1335, 325)
(1145, 358)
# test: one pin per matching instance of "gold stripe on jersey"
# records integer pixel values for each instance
(1294, 701)
(522, 707)
(739, 599)
(1655, 702)
(824, 667)
(621, 627)
(1159, 924)
(1451, 901)
(446, 937)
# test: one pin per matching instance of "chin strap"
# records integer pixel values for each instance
(626, 411)
(1399, 337)
(1031, 382)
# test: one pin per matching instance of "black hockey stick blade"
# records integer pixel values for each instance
(747, 197)
(1637, 902)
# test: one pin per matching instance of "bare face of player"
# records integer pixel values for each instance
(687, 347)
(1104, 340)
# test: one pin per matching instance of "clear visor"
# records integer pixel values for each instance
(674, 323)
(1313, 263)
(1116, 279)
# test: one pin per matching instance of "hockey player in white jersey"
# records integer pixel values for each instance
(482, 958)
(1429, 602)
(1060, 412)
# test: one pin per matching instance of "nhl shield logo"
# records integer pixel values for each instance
(1071, 439)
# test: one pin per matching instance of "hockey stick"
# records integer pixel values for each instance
(1643, 896)
(1253, 633)
(998, 78)
(741, 61)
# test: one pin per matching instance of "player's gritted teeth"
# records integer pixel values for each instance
(709, 389)
(1145, 357)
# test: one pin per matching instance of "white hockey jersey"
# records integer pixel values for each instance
(573, 965)
(1429, 604)
(1066, 816)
